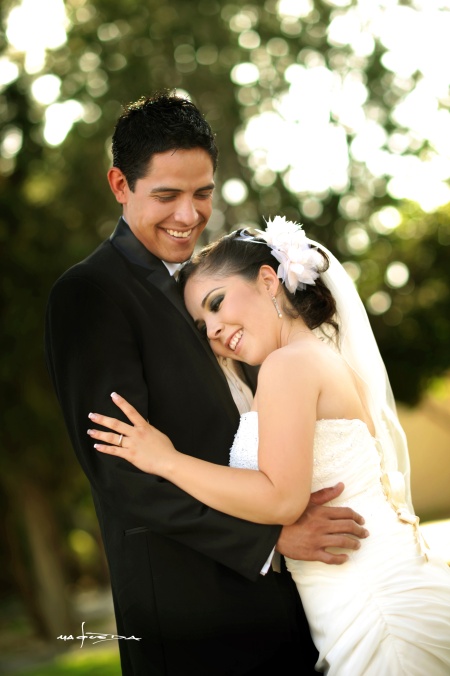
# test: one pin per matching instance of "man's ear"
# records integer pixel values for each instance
(118, 184)
(269, 278)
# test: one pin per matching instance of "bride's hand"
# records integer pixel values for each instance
(140, 443)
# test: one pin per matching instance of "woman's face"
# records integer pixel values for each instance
(237, 316)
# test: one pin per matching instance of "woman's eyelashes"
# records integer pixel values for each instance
(215, 303)
(201, 326)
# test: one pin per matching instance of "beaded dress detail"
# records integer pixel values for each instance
(386, 611)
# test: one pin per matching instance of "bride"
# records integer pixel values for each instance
(323, 412)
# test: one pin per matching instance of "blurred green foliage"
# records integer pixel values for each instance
(90, 663)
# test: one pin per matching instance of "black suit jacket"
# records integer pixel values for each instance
(185, 578)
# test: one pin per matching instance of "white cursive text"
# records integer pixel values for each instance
(95, 637)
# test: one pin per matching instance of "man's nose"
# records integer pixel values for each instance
(186, 212)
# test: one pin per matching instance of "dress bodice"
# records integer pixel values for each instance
(344, 450)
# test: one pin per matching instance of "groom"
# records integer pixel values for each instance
(187, 580)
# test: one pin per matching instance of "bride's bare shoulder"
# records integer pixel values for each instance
(304, 357)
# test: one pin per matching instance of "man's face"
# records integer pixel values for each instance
(170, 207)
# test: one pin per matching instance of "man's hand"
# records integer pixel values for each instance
(321, 527)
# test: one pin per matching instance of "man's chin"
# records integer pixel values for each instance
(183, 254)
(177, 259)
(177, 253)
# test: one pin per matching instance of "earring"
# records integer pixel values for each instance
(277, 307)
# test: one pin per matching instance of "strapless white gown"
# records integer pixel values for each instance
(386, 611)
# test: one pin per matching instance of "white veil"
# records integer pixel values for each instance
(358, 347)
(356, 344)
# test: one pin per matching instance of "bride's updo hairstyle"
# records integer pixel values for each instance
(242, 253)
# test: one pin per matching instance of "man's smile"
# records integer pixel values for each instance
(180, 234)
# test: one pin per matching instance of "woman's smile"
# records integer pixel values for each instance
(236, 315)
(235, 339)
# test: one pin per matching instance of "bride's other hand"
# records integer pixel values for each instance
(321, 527)
(140, 443)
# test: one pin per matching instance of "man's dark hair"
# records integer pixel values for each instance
(158, 124)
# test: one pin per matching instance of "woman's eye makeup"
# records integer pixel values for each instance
(215, 303)
(210, 303)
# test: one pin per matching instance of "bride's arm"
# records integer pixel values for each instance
(277, 493)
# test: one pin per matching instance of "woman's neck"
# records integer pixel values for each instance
(295, 330)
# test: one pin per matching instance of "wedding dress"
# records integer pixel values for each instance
(386, 611)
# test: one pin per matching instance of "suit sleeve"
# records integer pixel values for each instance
(91, 351)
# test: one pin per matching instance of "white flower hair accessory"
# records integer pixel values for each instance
(299, 262)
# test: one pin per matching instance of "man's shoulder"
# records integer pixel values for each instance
(98, 265)
(99, 275)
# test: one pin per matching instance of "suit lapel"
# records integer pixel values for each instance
(163, 280)
(168, 286)
(158, 275)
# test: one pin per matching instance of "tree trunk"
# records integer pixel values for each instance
(45, 565)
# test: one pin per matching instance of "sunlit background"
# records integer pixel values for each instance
(335, 113)
(302, 133)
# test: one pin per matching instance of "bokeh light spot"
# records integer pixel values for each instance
(45, 89)
(245, 74)
(397, 274)
(234, 191)
(379, 303)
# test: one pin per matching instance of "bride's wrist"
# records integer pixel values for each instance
(168, 464)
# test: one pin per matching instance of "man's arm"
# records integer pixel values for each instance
(93, 350)
(320, 528)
